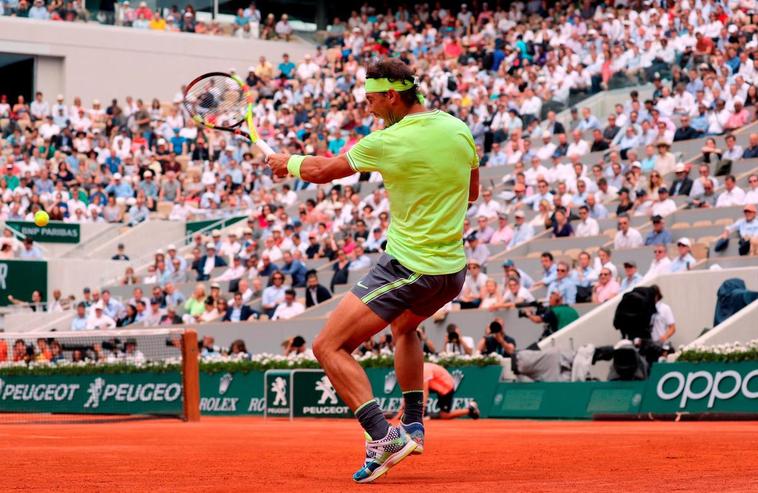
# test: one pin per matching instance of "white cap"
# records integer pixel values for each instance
(636, 164)
(679, 168)
(161, 142)
(148, 174)
(684, 241)
(210, 244)
(59, 97)
(170, 247)
(117, 176)
(216, 232)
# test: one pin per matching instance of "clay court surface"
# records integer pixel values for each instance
(252, 454)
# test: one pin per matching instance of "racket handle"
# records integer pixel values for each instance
(265, 148)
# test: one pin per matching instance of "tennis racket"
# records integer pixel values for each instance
(222, 101)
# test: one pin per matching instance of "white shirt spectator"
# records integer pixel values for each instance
(662, 266)
(588, 227)
(632, 239)
(285, 312)
(100, 321)
(489, 209)
(663, 208)
(728, 198)
(580, 148)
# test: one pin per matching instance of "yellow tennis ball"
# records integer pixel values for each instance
(41, 218)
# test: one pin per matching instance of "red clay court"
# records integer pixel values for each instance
(253, 454)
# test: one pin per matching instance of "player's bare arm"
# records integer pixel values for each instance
(313, 169)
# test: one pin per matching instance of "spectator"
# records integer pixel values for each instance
(584, 276)
(522, 232)
(563, 283)
(315, 293)
(504, 233)
(631, 277)
(79, 322)
(752, 150)
(204, 265)
(289, 308)
(476, 250)
(341, 269)
(274, 295)
(473, 286)
(238, 311)
(29, 251)
(358, 259)
(295, 346)
(733, 195)
(603, 259)
(587, 226)
(120, 255)
(561, 226)
(295, 269)
(195, 305)
(706, 199)
(626, 236)
(491, 296)
(751, 197)
(747, 231)
(515, 294)
(548, 270)
(663, 322)
(682, 184)
(606, 287)
(99, 321)
(484, 232)
(661, 263)
(664, 206)
(684, 260)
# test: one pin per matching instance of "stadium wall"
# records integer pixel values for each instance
(95, 62)
(740, 327)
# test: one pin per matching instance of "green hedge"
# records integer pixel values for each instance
(705, 356)
(257, 363)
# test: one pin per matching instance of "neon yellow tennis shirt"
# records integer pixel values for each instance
(425, 160)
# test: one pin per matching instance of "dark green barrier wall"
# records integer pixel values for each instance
(54, 232)
(193, 226)
(20, 277)
(571, 400)
(128, 393)
(702, 387)
(243, 393)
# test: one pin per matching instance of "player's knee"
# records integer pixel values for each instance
(321, 348)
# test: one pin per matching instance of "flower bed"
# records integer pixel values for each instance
(723, 353)
(244, 364)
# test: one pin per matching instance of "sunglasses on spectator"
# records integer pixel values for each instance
(660, 251)
(604, 275)
(562, 270)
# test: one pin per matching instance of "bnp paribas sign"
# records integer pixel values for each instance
(54, 232)
(702, 388)
(132, 393)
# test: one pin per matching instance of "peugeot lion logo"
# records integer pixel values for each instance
(279, 387)
(327, 391)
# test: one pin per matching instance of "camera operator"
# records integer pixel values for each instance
(496, 341)
(455, 343)
(555, 317)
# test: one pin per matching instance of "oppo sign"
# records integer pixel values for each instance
(722, 386)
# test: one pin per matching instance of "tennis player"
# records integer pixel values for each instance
(429, 164)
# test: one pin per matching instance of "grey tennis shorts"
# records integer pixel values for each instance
(389, 289)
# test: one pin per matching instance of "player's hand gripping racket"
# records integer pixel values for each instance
(223, 102)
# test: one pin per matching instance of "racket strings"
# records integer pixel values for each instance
(217, 100)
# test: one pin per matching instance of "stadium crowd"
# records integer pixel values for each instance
(506, 72)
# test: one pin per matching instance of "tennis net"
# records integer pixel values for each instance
(77, 376)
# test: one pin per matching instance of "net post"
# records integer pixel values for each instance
(191, 376)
